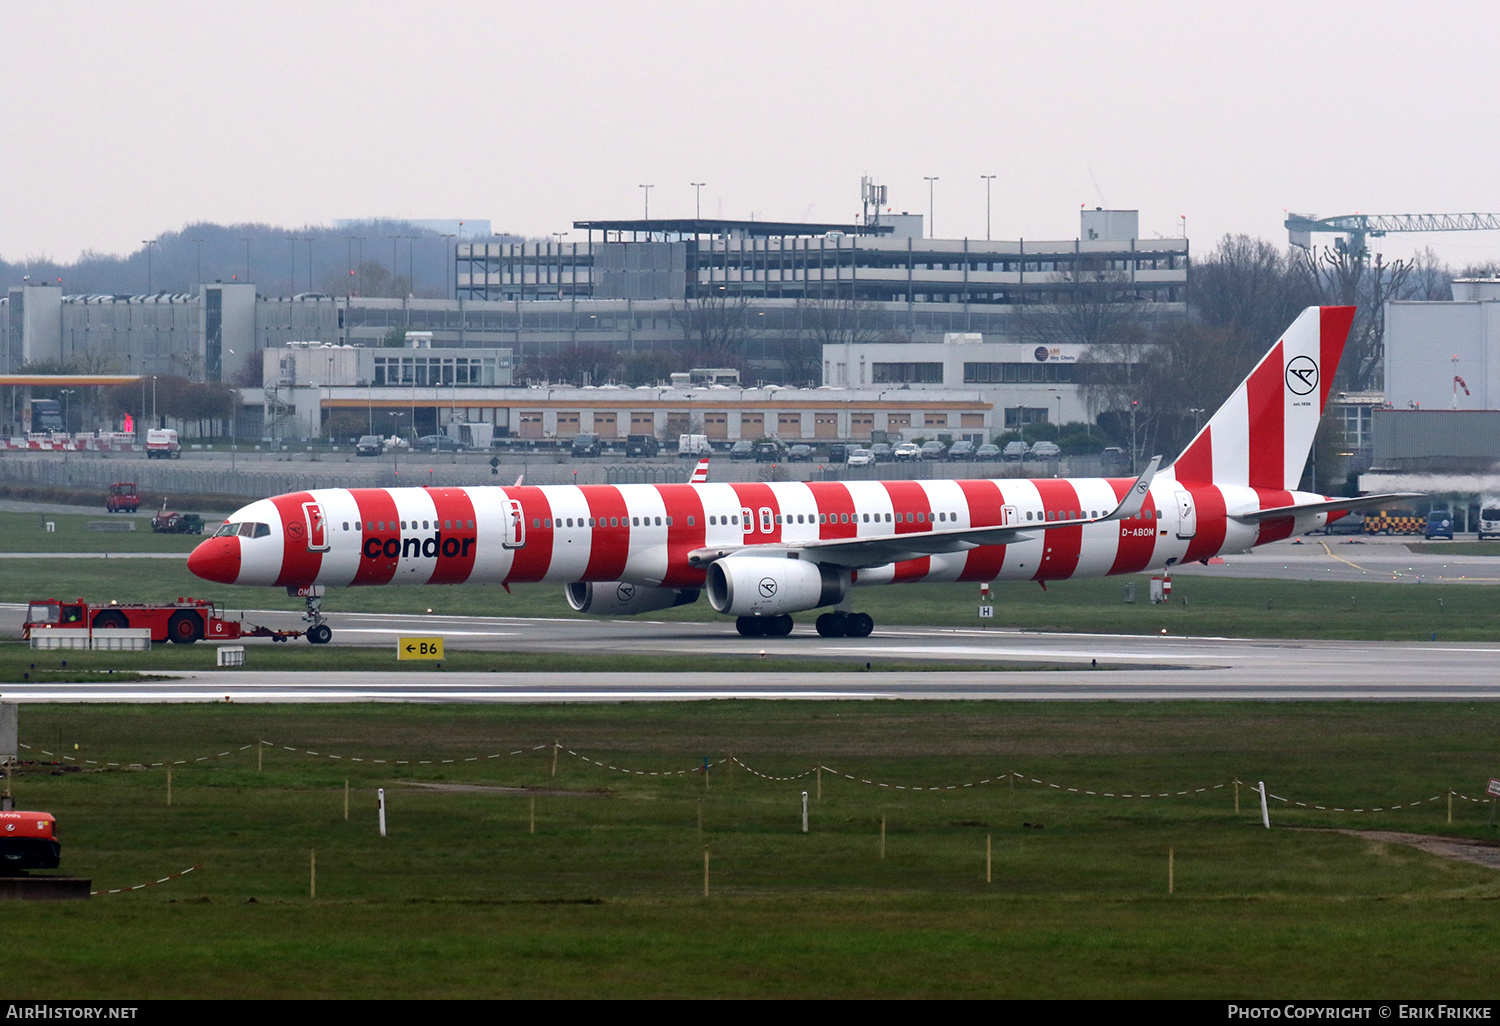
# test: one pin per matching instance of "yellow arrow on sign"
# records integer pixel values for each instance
(419, 648)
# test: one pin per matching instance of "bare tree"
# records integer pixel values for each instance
(1251, 290)
(1090, 308)
(1341, 277)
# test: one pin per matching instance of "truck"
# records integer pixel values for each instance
(122, 498)
(162, 444)
(28, 840)
(182, 622)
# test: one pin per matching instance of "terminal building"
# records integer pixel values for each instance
(873, 307)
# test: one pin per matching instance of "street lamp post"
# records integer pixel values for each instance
(647, 215)
(199, 273)
(931, 219)
(148, 243)
(987, 180)
(697, 199)
(247, 242)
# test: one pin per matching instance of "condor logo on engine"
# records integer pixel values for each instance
(767, 587)
(412, 548)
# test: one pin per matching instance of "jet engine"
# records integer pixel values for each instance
(621, 598)
(760, 586)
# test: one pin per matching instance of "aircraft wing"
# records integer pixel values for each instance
(1328, 506)
(864, 553)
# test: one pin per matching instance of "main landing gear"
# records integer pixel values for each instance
(764, 626)
(845, 625)
(829, 625)
(319, 633)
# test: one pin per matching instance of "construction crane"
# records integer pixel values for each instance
(1356, 227)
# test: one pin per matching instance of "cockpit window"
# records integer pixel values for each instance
(255, 530)
(227, 530)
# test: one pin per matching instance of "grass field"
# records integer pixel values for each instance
(605, 898)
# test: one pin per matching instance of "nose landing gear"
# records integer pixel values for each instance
(319, 633)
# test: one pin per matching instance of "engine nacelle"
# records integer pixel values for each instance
(763, 586)
(621, 598)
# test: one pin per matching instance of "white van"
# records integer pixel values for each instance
(693, 446)
(1489, 517)
(162, 444)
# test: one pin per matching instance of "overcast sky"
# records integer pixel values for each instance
(125, 120)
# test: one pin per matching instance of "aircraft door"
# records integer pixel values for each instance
(747, 520)
(1187, 516)
(765, 520)
(317, 527)
(515, 525)
(1008, 516)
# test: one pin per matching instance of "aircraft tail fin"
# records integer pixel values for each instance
(700, 472)
(1262, 434)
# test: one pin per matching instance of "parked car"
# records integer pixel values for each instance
(906, 452)
(1114, 460)
(1015, 450)
(1045, 451)
(987, 453)
(881, 451)
(838, 451)
(1439, 525)
(860, 458)
(642, 445)
(961, 450)
(435, 443)
(799, 454)
(369, 445)
(769, 452)
(587, 445)
(1349, 523)
(933, 450)
(744, 449)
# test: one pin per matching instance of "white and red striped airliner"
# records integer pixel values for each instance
(765, 551)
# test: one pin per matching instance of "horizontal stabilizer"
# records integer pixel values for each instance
(1308, 508)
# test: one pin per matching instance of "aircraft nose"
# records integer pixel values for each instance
(217, 560)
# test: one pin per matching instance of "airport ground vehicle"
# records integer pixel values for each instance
(642, 445)
(1489, 517)
(1439, 524)
(1394, 521)
(177, 523)
(122, 498)
(162, 444)
(763, 551)
(183, 622)
(369, 445)
(586, 445)
(28, 840)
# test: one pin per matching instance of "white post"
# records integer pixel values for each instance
(1265, 813)
(804, 812)
(380, 802)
